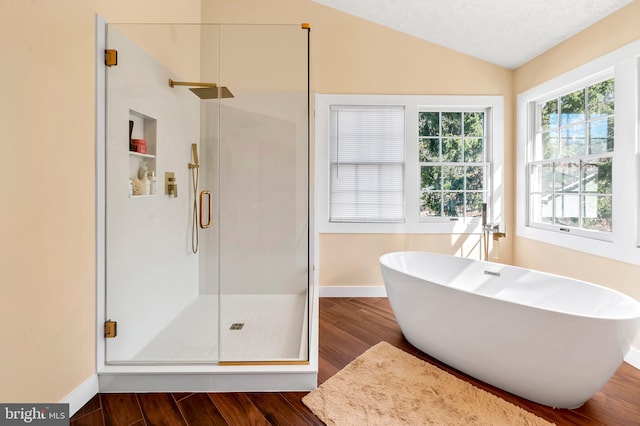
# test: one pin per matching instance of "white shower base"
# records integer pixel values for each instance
(192, 336)
(263, 316)
(272, 330)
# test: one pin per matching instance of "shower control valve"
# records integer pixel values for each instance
(171, 187)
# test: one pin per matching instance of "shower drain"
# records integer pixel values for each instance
(236, 326)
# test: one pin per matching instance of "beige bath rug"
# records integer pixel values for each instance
(387, 386)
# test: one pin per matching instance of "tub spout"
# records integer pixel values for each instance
(490, 227)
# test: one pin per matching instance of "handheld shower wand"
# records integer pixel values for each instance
(195, 177)
(194, 152)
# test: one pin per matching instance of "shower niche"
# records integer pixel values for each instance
(176, 310)
(142, 146)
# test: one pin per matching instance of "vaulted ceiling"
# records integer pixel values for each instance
(505, 32)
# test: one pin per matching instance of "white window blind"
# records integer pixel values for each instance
(367, 145)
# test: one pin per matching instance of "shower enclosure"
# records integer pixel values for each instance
(206, 199)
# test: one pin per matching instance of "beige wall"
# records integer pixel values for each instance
(605, 36)
(47, 225)
(613, 32)
(354, 257)
(351, 55)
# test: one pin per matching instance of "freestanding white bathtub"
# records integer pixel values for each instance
(549, 339)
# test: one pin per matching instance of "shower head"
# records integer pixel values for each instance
(204, 90)
(212, 92)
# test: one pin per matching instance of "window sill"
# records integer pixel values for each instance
(576, 233)
(400, 228)
(623, 251)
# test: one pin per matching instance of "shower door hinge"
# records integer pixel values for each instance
(110, 329)
(110, 57)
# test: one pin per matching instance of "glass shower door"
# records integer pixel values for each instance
(263, 194)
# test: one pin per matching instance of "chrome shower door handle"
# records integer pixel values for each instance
(209, 201)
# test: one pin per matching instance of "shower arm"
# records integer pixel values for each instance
(204, 90)
(191, 84)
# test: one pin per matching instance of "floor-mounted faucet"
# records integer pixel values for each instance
(489, 228)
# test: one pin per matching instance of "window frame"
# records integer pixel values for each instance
(623, 242)
(486, 163)
(533, 122)
(413, 104)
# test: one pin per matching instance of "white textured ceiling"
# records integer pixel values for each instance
(504, 32)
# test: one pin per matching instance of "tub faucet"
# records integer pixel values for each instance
(484, 215)
(487, 229)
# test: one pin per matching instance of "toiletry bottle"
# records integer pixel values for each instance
(152, 182)
(142, 172)
(146, 184)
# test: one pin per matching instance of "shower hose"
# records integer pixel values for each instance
(195, 177)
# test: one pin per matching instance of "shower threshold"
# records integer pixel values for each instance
(208, 378)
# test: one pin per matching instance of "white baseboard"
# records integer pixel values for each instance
(82, 394)
(633, 357)
(353, 291)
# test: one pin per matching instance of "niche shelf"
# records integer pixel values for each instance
(141, 155)
(144, 127)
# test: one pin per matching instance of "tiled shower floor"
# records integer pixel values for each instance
(272, 330)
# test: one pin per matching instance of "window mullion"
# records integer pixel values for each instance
(441, 156)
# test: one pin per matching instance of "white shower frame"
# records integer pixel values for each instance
(184, 378)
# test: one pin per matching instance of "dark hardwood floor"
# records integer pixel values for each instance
(348, 327)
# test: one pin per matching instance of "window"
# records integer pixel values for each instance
(408, 164)
(367, 164)
(570, 179)
(577, 158)
(453, 167)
